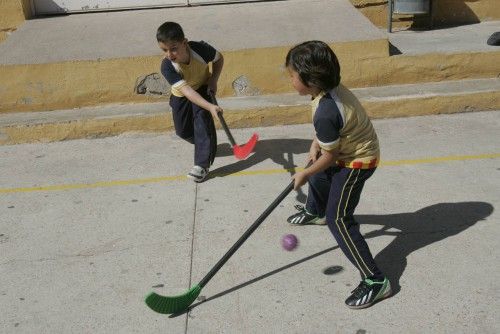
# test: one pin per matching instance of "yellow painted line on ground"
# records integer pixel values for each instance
(440, 159)
(103, 184)
(93, 185)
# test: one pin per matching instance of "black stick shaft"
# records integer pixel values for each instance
(223, 122)
(226, 129)
(245, 235)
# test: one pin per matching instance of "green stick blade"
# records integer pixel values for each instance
(174, 304)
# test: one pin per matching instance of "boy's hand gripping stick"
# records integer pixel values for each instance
(240, 152)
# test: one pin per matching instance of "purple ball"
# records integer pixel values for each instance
(289, 242)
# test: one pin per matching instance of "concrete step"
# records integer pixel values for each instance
(251, 111)
(97, 59)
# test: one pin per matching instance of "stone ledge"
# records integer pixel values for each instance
(255, 111)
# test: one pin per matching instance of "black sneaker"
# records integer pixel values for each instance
(305, 218)
(369, 292)
(198, 174)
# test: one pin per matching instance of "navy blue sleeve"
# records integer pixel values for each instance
(169, 72)
(327, 124)
(205, 50)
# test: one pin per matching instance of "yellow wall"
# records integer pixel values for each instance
(66, 85)
(14, 12)
(74, 84)
(444, 12)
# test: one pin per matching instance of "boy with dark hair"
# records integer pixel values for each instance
(345, 153)
(185, 66)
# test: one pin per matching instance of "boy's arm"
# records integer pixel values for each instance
(325, 160)
(197, 99)
(216, 71)
(314, 150)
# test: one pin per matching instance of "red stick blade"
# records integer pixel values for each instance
(242, 152)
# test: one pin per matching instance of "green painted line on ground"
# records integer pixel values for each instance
(104, 184)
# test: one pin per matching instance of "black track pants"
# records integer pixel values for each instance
(336, 192)
(195, 125)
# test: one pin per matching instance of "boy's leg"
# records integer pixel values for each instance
(318, 192)
(182, 114)
(186, 117)
(317, 198)
(345, 192)
(205, 137)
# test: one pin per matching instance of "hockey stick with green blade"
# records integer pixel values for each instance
(180, 303)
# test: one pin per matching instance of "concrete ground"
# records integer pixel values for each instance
(89, 227)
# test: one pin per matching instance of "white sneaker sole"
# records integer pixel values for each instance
(196, 178)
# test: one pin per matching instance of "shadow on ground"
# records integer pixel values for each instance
(279, 151)
(412, 231)
(416, 230)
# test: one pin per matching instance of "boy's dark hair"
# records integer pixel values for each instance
(170, 32)
(316, 64)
